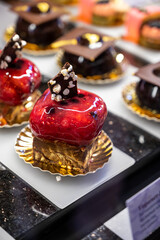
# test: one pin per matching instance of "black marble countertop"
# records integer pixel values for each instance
(21, 207)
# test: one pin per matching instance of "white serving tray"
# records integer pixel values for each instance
(69, 189)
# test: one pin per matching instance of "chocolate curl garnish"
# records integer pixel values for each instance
(11, 51)
(64, 84)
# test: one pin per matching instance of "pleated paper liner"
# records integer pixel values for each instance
(110, 77)
(100, 156)
(31, 48)
(68, 2)
(14, 116)
(131, 100)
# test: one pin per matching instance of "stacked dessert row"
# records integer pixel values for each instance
(41, 23)
(16, 95)
(66, 122)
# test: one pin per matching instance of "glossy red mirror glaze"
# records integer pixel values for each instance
(18, 81)
(76, 120)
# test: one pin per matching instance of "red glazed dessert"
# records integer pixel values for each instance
(76, 121)
(65, 117)
(19, 78)
(143, 26)
(18, 81)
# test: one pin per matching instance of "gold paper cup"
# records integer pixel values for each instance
(101, 155)
(131, 101)
(113, 76)
(12, 116)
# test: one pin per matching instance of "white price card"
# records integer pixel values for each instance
(144, 211)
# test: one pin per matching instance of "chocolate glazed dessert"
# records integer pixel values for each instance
(103, 63)
(148, 88)
(33, 34)
(42, 33)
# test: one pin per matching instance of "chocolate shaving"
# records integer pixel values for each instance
(11, 51)
(64, 84)
(148, 73)
(23, 11)
(82, 50)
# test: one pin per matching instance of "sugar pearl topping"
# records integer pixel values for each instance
(64, 84)
(11, 51)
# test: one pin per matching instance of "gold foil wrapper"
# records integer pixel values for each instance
(31, 48)
(113, 76)
(131, 100)
(100, 155)
(11, 116)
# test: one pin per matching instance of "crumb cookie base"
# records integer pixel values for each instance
(17, 115)
(149, 43)
(116, 20)
(70, 2)
(101, 155)
(131, 100)
(31, 48)
(110, 77)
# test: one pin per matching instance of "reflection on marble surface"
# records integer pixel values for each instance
(21, 207)
(130, 139)
(102, 233)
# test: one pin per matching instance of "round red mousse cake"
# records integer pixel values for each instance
(66, 125)
(18, 81)
(76, 120)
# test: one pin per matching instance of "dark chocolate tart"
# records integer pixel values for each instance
(39, 24)
(132, 102)
(143, 97)
(92, 55)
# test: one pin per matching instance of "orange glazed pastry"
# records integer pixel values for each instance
(103, 12)
(143, 26)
